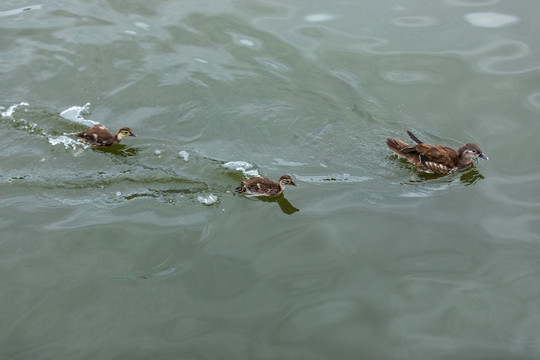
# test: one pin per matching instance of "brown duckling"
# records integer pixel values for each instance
(261, 186)
(436, 158)
(99, 135)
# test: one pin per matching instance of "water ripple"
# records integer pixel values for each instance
(509, 228)
(319, 17)
(534, 100)
(411, 77)
(347, 178)
(415, 21)
(20, 10)
(434, 262)
(471, 3)
(491, 20)
(500, 56)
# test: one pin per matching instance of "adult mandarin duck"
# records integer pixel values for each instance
(437, 159)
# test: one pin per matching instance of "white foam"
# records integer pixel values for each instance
(242, 166)
(66, 141)
(207, 200)
(184, 155)
(252, 173)
(9, 112)
(74, 114)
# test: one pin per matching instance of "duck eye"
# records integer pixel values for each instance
(473, 150)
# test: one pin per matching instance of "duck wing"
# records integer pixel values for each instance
(261, 186)
(97, 135)
(438, 153)
(405, 150)
(437, 158)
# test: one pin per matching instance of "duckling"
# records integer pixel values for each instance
(99, 135)
(437, 159)
(261, 186)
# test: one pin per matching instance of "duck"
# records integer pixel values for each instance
(99, 135)
(436, 159)
(262, 186)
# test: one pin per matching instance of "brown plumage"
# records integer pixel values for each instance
(436, 158)
(99, 135)
(262, 186)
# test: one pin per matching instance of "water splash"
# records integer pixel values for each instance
(66, 141)
(184, 155)
(9, 112)
(242, 166)
(75, 114)
(207, 200)
(21, 123)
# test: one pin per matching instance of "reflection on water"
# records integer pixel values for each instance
(282, 201)
(467, 177)
(122, 150)
(491, 20)
(471, 176)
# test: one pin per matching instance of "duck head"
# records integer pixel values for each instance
(286, 180)
(124, 132)
(469, 151)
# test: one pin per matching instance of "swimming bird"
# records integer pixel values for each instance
(437, 159)
(262, 186)
(99, 135)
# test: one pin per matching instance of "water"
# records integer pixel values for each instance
(144, 250)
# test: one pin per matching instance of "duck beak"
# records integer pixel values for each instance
(132, 134)
(292, 183)
(483, 156)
